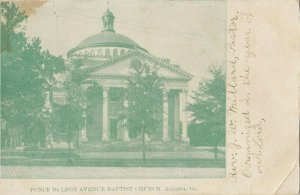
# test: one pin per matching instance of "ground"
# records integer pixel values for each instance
(109, 172)
(100, 161)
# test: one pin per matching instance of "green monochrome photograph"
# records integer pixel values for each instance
(132, 89)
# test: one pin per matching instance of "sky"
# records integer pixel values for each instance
(191, 34)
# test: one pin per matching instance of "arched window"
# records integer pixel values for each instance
(100, 53)
(107, 53)
(122, 51)
(115, 52)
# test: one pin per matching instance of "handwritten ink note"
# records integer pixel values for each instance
(245, 130)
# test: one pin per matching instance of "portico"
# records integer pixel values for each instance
(111, 127)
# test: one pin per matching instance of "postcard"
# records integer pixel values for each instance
(150, 97)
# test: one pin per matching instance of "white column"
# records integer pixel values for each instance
(183, 116)
(48, 109)
(82, 135)
(165, 116)
(176, 116)
(125, 125)
(105, 114)
(48, 103)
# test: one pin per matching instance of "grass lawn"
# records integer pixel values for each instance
(108, 155)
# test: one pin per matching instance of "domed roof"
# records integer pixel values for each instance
(107, 38)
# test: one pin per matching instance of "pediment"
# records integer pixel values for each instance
(121, 67)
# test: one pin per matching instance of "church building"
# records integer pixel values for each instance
(106, 57)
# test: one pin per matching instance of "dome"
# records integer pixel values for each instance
(107, 38)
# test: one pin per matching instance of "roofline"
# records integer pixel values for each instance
(170, 66)
(108, 62)
(94, 75)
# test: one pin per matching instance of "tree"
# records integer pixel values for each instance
(11, 19)
(70, 113)
(208, 109)
(75, 102)
(143, 94)
(25, 73)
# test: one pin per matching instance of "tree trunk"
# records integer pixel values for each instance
(15, 141)
(144, 156)
(77, 139)
(216, 152)
(69, 138)
(69, 160)
(13, 138)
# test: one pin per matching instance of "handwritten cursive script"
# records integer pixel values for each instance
(245, 133)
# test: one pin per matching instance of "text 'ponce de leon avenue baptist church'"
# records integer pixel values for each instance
(106, 57)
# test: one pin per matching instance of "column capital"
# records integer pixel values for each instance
(105, 88)
(165, 94)
(166, 90)
(184, 91)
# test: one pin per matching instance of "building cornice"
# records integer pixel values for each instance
(124, 76)
(158, 61)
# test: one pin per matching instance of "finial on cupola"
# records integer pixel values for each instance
(108, 20)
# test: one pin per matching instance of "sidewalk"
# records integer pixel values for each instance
(109, 173)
